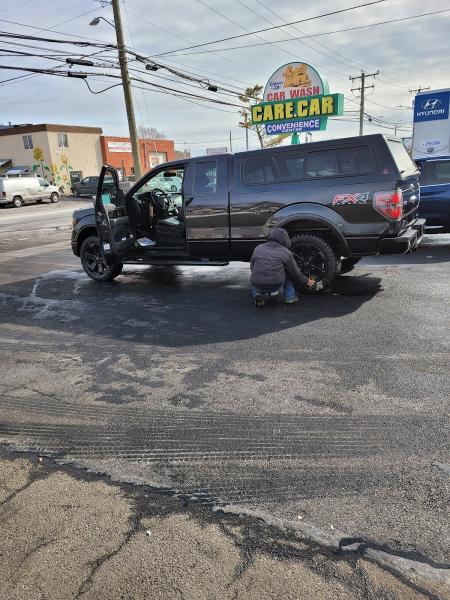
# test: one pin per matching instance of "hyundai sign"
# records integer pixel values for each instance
(431, 135)
(431, 107)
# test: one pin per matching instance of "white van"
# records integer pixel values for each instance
(16, 191)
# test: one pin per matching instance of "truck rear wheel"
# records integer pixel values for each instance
(94, 263)
(17, 201)
(315, 258)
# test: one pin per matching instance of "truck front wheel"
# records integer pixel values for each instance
(94, 263)
(315, 258)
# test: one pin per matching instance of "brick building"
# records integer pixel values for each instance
(116, 152)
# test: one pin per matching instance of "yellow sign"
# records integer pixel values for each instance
(327, 105)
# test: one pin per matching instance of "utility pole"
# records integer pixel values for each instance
(246, 129)
(231, 143)
(362, 91)
(127, 90)
(245, 125)
(419, 89)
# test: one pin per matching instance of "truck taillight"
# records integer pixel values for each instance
(389, 204)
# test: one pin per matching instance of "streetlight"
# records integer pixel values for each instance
(96, 20)
(126, 84)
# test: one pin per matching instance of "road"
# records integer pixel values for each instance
(32, 224)
(330, 416)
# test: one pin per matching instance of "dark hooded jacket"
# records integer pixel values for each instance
(272, 262)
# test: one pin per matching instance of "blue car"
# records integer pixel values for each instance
(435, 194)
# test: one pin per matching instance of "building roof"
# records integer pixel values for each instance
(23, 129)
(18, 170)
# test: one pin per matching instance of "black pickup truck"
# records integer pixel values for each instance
(339, 200)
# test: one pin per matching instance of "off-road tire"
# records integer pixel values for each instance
(93, 261)
(325, 265)
(348, 264)
(17, 202)
(54, 197)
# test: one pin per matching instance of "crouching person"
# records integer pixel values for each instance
(274, 269)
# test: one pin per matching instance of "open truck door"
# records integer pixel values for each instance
(111, 217)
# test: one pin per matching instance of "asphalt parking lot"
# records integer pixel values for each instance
(329, 416)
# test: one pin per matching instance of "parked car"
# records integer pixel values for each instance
(15, 191)
(339, 200)
(168, 184)
(86, 187)
(435, 194)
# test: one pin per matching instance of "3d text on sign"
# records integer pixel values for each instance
(327, 105)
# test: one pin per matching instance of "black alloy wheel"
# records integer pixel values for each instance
(315, 258)
(94, 262)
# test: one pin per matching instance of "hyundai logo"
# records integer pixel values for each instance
(431, 104)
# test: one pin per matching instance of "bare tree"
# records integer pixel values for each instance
(150, 133)
(251, 96)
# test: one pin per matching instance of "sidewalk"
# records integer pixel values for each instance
(67, 534)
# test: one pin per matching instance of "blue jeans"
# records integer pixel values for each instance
(288, 290)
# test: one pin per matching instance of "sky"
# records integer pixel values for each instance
(408, 54)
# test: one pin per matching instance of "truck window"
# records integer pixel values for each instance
(259, 170)
(205, 180)
(356, 160)
(401, 157)
(290, 166)
(322, 164)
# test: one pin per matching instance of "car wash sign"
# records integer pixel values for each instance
(296, 98)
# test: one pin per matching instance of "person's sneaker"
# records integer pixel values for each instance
(291, 300)
(259, 300)
(318, 286)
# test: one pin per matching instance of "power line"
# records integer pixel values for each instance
(51, 30)
(16, 6)
(228, 60)
(419, 89)
(84, 75)
(234, 37)
(77, 42)
(239, 25)
(329, 53)
(105, 48)
(313, 35)
(179, 96)
(274, 44)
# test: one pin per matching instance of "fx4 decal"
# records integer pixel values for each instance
(356, 198)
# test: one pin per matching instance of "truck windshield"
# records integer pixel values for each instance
(402, 159)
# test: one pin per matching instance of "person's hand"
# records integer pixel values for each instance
(310, 282)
